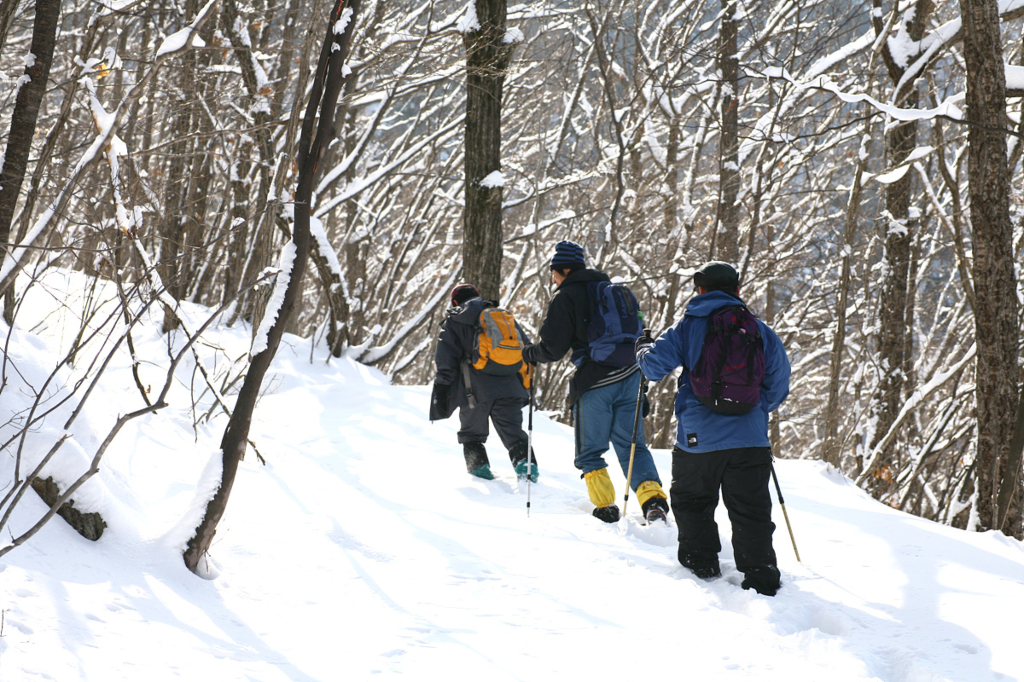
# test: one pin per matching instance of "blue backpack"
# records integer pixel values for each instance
(615, 324)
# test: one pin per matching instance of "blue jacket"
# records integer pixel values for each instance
(700, 428)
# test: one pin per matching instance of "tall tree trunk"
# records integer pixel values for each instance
(177, 226)
(259, 229)
(995, 289)
(8, 8)
(487, 58)
(23, 119)
(726, 240)
(898, 229)
(831, 446)
(324, 97)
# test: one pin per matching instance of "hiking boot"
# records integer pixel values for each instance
(476, 460)
(524, 471)
(704, 565)
(764, 580)
(518, 454)
(609, 514)
(483, 472)
(706, 572)
(656, 509)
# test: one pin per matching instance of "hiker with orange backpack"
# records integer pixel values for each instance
(480, 370)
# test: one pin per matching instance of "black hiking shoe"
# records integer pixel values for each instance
(655, 509)
(706, 572)
(609, 514)
(764, 580)
(704, 565)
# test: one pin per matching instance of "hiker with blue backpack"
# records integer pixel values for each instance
(599, 322)
(480, 370)
(735, 372)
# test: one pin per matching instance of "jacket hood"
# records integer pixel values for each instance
(469, 312)
(705, 304)
(585, 275)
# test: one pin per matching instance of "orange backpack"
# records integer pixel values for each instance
(499, 348)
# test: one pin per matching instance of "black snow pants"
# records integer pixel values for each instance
(742, 475)
(505, 413)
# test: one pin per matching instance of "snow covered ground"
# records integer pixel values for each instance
(363, 550)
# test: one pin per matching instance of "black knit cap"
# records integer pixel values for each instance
(717, 276)
(568, 255)
(463, 293)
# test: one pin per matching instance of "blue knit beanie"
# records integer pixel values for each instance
(567, 255)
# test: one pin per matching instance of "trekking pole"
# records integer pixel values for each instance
(782, 503)
(632, 449)
(529, 443)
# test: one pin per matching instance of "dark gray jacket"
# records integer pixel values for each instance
(455, 345)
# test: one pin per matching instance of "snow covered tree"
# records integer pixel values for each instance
(323, 99)
(30, 90)
(898, 224)
(995, 472)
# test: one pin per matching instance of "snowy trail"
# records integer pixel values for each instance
(363, 550)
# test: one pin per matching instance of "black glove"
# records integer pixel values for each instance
(439, 400)
(643, 340)
(529, 354)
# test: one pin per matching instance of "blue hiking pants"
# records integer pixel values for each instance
(604, 415)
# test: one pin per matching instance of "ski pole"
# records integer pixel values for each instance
(529, 442)
(782, 503)
(632, 448)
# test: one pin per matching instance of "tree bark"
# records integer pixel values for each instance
(324, 97)
(8, 8)
(898, 229)
(995, 316)
(253, 218)
(726, 240)
(831, 446)
(177, 227)
(487, 58)
(24, 117)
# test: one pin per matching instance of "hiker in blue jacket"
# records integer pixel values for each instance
(602, 396)
(716, 451)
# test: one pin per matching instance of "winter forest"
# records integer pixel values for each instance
(859, 162)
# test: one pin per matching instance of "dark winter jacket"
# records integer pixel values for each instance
(701, 429)
(455, 345)
(565, 329)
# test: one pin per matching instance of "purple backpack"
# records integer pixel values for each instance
(728, 374)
